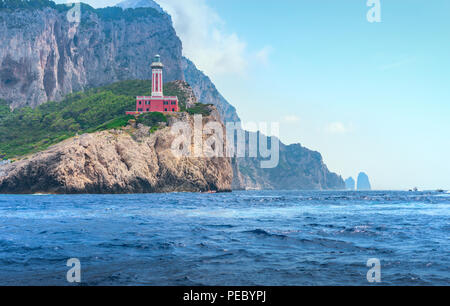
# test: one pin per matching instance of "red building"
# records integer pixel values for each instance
(157, 102)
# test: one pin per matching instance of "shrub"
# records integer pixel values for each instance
(199, 108)
(151, 119)
(114, 123)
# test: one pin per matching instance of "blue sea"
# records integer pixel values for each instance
(240, 238)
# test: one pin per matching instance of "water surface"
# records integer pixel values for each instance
(241, 238)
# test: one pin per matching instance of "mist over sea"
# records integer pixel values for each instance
(239, 238)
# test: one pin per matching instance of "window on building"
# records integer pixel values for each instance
(165, 109)
(173, 109)
(140, 102)
(174, 103)
(147, 102)
(139, 109)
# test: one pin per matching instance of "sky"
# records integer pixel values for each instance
(372, 97)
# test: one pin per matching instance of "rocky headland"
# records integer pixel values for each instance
(128, 160)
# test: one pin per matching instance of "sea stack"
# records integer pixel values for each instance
(350, 184)
(363, 182)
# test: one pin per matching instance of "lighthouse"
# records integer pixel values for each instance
(157, 102)
(157, 77)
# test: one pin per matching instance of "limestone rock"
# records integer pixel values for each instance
(117, 161)
(44, 57)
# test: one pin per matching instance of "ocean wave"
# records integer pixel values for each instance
(260, 232)
(220, 225)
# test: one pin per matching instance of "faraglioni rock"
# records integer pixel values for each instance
(350, 184)
(130, 160)
(363, 182)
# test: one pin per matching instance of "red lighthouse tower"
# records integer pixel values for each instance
(157, 77)
(157, 102)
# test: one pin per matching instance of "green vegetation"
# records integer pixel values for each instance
(27, 4)
(115, 13)
(4, 109)
(154, 129)
(129, 88)
(171, 89)
(116, 123)
(26, 130)
(107, 14)
(35, 4)
(29, 130)
(151, 119)
(199, 108)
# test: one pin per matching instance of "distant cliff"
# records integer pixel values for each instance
(299, 169)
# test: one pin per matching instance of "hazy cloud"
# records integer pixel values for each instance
(205, 39)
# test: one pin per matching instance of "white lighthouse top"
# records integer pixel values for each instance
(157, 62)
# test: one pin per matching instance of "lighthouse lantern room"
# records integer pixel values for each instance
(157, 102)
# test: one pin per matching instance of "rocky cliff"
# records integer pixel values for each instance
(128, 160)
(43, 56)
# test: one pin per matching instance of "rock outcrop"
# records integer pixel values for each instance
(130, 160)
(363, 182)
(350, 184)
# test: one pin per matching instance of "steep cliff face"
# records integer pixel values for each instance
(44, 57)
(129, 160)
